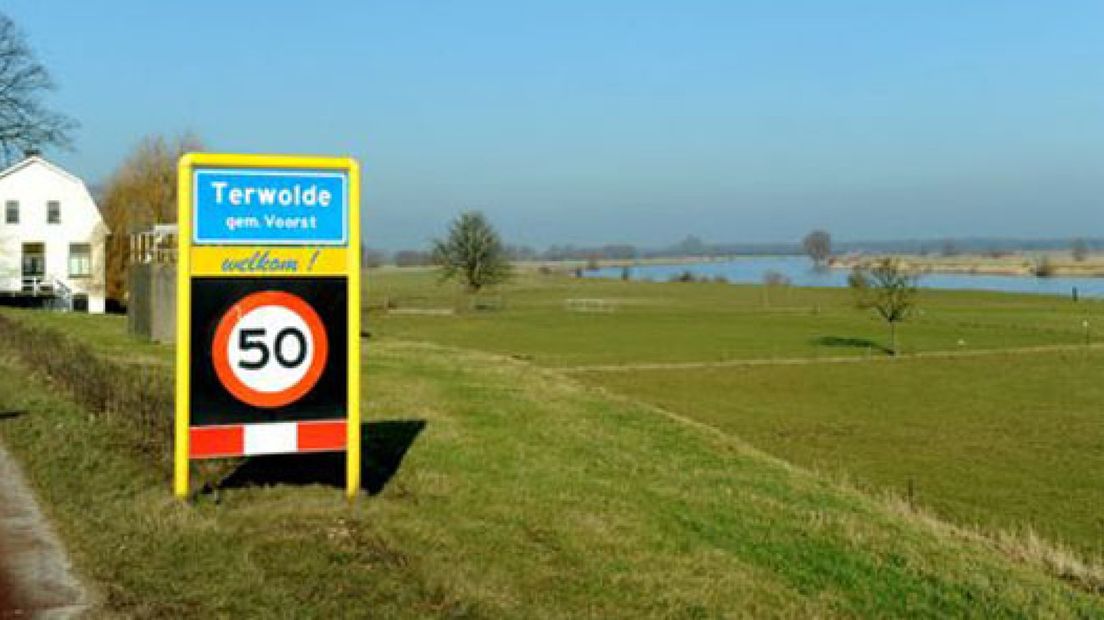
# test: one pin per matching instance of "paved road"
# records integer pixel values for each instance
(33, 567)
(7, 592)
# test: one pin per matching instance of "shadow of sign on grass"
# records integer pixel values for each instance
(383, 446)
(850, 343)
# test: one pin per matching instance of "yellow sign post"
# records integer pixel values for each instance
(268, 309)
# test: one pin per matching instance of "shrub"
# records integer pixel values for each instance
(685, 276)
(775, 278)
(1044, 268)
(138, 401)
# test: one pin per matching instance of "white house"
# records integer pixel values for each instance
(52, 237)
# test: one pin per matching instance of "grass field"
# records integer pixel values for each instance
(1010, 440)
(1005, 441)
(532, 487)
(666, 322)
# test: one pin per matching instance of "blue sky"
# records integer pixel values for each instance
(639, 122)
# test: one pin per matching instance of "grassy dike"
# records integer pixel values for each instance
(526, 494)
(1005, 441)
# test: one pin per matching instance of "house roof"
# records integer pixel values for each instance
(38, 159)
(33, 159)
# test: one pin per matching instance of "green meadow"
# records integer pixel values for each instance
(1008, 441)
(546, 319)
(991, 417)
(662, 450)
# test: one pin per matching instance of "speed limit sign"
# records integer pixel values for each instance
(270, 349)
(268, 309)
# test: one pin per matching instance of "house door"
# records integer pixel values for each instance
(34, 266)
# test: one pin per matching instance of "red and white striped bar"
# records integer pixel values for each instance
(212, 442)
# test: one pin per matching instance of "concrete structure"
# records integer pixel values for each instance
(151, 280)
(52, 238)
(151, 313)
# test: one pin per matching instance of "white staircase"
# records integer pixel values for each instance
(61, 296)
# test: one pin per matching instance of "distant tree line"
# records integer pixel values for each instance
(818, 245)
(422, 257)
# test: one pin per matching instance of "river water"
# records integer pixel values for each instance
(799, 270)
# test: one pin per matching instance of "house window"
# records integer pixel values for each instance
(80, 260)
(11, 212)
(53, 212)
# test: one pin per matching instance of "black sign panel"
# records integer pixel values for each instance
(218, 301)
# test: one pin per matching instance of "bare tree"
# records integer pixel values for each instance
(889, 289)
(472, 252)
(25, 123)
(818, 245)
(139, 194)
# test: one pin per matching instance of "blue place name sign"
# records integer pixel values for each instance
(270, 207)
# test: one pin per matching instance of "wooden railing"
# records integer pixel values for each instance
(152, 247)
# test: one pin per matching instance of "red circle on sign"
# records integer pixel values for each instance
(220, 350)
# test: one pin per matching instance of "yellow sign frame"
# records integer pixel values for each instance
(304, 261)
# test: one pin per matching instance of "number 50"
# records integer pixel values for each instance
(253, 339)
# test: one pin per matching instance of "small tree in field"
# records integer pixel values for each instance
(472, 253)
(818, 245)
(889, 289)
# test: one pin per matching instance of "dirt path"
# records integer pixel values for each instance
(35, 575)
(849, 359)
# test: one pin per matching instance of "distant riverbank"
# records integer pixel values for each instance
(1008, 274)
(1019, 264)
(1011, 264)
